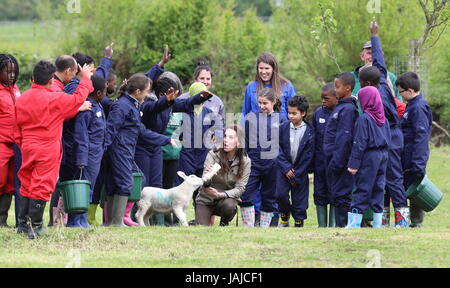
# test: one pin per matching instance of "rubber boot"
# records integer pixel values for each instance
(258, 220)
(158, 219)
(417, 215)
(248, 216)
(332, 216)
(83, 220)
(23, 219)
(354, 219)
(275, 220)
(341, 216)
(284, 220)
(36, 214)
(266, 218)
(74, 221)
(118, 210)
(108, 205)
(386, 216)
(401, 217)
(377, 220)
(91, 215)
(322, 216)
(5, 203)
(127, 219)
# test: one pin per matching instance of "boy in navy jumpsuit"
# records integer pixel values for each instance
(416, 126)
(123, 128)
(294, 160)
(337, 146)
(394, 175)
(368, 160)
(321, 191)
(83, 160)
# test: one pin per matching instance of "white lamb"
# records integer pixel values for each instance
(162, 201)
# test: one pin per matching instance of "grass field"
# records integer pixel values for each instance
(232, 247)
(27, 37)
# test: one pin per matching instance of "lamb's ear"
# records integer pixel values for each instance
(182, 175)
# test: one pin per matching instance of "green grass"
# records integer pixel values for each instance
(242, 247)
(32, 38)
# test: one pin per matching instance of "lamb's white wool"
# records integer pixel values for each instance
(156, 200)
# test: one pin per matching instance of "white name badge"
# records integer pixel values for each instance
(321, 120)
(99, 114)
(142, 114)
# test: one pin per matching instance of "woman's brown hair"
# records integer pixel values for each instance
(136, 82)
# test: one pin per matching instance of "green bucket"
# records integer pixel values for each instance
(76, 196)
(137, 187)
(425, 194)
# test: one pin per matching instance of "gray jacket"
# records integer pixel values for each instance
(230, 183)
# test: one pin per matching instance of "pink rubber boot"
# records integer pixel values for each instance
(126, 218)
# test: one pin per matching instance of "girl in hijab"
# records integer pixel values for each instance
(368, 160)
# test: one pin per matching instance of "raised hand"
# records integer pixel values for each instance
(109, 51)
(374, 27)
(166, 56)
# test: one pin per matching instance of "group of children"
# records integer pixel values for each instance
(359, 148)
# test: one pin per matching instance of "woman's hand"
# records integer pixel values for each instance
(214, 193)
(174, 143)
(290, 174)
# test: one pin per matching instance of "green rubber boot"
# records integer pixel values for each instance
(91, 215)
(332, 217)
(322, 216)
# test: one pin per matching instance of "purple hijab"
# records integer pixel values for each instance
(371, 103)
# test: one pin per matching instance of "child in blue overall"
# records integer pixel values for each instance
(82, 162)
(262, 144)
(369, 158)
(69, 142)
(337, 146)
(294, 160)
(321, 191)
(156, 115)
(123, 128)
(197, 133)
(416, 126)
(376, 76)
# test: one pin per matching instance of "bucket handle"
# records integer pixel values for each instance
(81, 173)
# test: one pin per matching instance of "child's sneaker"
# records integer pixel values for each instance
(284, 220)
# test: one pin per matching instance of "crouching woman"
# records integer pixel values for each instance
(221, 195)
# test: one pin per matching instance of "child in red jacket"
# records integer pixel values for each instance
(9, 71)
(40, 115)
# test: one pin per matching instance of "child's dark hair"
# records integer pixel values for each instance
(111, 76)
(269, 94)
(300, 103)
(65, 62)
(370, 75)
(202, 65)
(137, 81)
(5, 60)
(98, 82)
(347, 79)
(83, 59)
(329, 87)
(409, 80)
(162, 85)
(43, 72)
